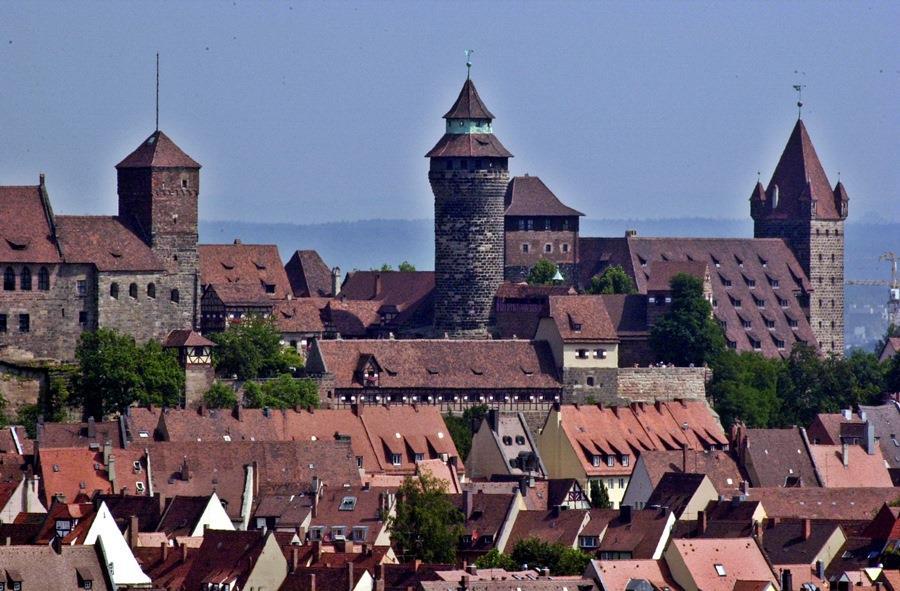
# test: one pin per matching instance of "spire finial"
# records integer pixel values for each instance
(758, 177)
(157, 91)
(469, 53)
(799, 88)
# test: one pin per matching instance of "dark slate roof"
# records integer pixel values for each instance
(639, 535)
(628, 313)
(158, 151)
(800, 177)
(529, 196)
(468, 104)
(106, 242)
(182, 515)
(886, 419)
(308, 274)
(465, 145)
(778, 454)
(675, 490)
(25, 232)
(122, 507)
(784, 544)
(224, 556)
(403, 289)
(551, 526)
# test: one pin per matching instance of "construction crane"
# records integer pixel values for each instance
(893, 304)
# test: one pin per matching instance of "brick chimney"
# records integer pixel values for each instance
(807, 528)
(845, 454)
(295, 558)
(350, 575)
(312, 582)
(467, 503)
(164, 547)
(133, 532)
(702, 522)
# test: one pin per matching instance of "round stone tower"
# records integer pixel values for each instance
(469, 174)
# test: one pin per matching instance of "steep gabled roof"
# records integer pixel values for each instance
(104, 241)
(26, 233)
(468, 145)
(308, 275)
(582, 318)
(255, 265)
(468, 104)
(528, 195)
(158, 151)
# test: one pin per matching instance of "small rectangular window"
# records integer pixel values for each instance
(600, 353)
(2, 322)
(610, 460)
(525, 248)
(24, 323)
(582, 354)
(521, 224)
(81, 288)
(396, 459)
(82, 318)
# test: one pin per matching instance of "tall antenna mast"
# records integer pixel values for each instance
(157, 91)
(469, 53)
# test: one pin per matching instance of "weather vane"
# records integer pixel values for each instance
(799, 88)
(469, 53)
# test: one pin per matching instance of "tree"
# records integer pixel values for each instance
(572, 561)
(220, 395)
(614, 279)
(385, 268)
(496, 559)
(252, 349)
(599, 495)
(463, 428)
(427, 525)
(560, 559)
(687, 334)
(745, 387)
(542, 273)
(116, 372)
(285, 391)
(406, 267)
(892, 374)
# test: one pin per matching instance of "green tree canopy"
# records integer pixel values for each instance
(406, 267)
(463, 428)
(560, 559)
(116, 372)
(427, 525)
(614, 279)
(284, 391)
(599, 495)
(220, 395)
(745, 387)
(252, 349)
(496, 559)
(542, 273)
(687, 334)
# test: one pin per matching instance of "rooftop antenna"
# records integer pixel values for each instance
(799, 88)
(469, 53)
(157, 91)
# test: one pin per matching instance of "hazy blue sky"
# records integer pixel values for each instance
(308, 112)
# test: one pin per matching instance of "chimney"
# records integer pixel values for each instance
(164, 548)
(630, 233)
(295, 558)
(312, 581)
(111, 472)
(625, 513)
(91, 428)
(379, 577)
(107, 448)
(493, 419)
(315, 496)
(317, 551)
(684, 454)
(807, 528)
(377, 286)
(846, 413)
(820, 570)
(845, 454)
(472, 569)
(464, 583)
(787, 580)
(9, 540)
(745, 487)
(42, 179)
(185, 470)
(133, 532)
(335, 282)
(237, 240)
(467, 503)
(702, 522)
(184, 552)
(350, 575)
(870, 438)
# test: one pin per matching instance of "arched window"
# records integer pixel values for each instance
(151, 290)
(114, 290)
(132, 290)
(26, 279)
(175, 296)
(9, 279)
(44, 279)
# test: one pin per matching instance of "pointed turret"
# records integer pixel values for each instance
(800, 183)
(468, 104)
(841, 199)
(158, 151)
(757, 200)
(469, 133)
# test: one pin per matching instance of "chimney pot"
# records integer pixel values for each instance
(165, 551)
(312, 582)
(807, 528)
(845, 454)
(184, 552)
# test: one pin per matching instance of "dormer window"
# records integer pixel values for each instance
(347, 504)
(270, 288)
(595, 461)
(610, 461)
(576, 326)
(396, 459)
(624, 460)
(419, 457)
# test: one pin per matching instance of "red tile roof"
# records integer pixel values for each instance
(79, 434)
(25, 232)
(617, 574)
(181, 515)
(468, 104)
(552, 526)
(352, 318)
(740, 559)
(300, 315)
(772, 456)
(447, 364)
(628, 313)
(406, 430)
(308, 274)
(187, 338)
(718, 466)
(42, 567)
(226, 556)
(255, 265)
(158, 151)
(863, 470)
(72, 472)
(529, 196)
(469, 145)
(640, 534)
(106, 242)
(823, 503)
(397, 288)
(582, 318)
(662, 273)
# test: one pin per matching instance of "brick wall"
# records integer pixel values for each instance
(145, 317)
(21, 386)
(624, 385)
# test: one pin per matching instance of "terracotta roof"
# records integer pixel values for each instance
(468, 104)
(326, 579)
(158, 151)
(78, 514)
(640, 534)
(300, 315)
(800, 177)
(662, 273)
(885, 525)
(863, 470)
(740, 560)
(529, 196)
(826, 428)
(777, 455)
(628, 313)
(365, 512)
(505, 582)
(717, 465)
(105, 242)
(352, 318)
(79, 434)
(784, 542)
(617, 574)
(308, 275)
(398, 288)
(553, 526)
(407, 430)
(240, 294)
(181, 515)
(823, 503)
(42, 567)
(256, 265)
(167, 569)
(469, 145)
(446, 364)
(25, 232)
(226, 556)
(753, 279)
(630, 430)
(187, 338)
(72, 472)
(582, 318)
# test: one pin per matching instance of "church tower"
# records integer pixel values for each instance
(158, 187)
(800, 207)
(469, 175)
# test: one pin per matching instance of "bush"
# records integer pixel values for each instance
(252, 349)
(496, 559)
(220, 395)
(614, 279)
(285, 391)
(542, 273)
(560, 559)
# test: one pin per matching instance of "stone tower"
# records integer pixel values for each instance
(800, 207)
(158, 187)
(469, 174)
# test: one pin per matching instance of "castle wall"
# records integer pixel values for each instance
(145, 317)
(625, 385)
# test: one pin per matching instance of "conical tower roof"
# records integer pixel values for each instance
(468, 104)
(158, 151)
(800, 177)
